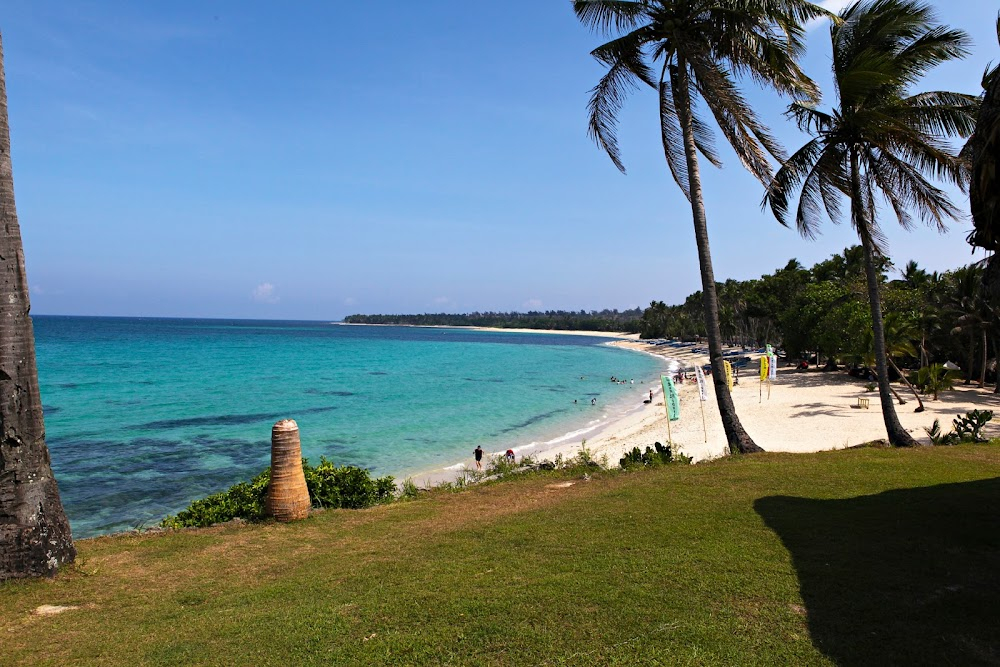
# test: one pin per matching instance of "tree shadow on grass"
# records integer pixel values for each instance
(905, 577)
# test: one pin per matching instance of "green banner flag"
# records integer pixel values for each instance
(670, 399)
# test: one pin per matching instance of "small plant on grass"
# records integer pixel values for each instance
(970, 427)
(937, 437)
(583, 458)
(966, 429)
(653, 456)
(409, 490)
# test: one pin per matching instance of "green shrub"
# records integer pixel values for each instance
(970, 427)
(329, 486)
(409, 490)
(652, 457)
(966, 429)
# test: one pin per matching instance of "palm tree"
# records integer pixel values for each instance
(900, 332)
(880, 139)
(984, 149)
(34, 533)
(972, 315)
(683, 50)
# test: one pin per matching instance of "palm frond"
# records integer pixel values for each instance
(941, 113)
(606, 16)
(809, 119)
(606, 100)
(626, 71)
(789, 178)
(736, 119)
(671, 138)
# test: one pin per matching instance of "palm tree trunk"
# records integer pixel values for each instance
(972, 355)
(34, 532)
(996, 353)
(982, 370)
(898, 437)
(920, 403)
(736, 436)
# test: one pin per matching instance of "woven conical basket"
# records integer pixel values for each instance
(287, 494)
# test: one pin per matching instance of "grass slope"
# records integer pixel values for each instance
(855, 557)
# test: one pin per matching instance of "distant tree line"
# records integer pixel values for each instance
(824, 312)
(553, 320)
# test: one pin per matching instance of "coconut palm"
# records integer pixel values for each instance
(690, 49)
(900, 332)
(984, 146)
(983, 150)
(971, 312)
(879, 140)
(34, 533)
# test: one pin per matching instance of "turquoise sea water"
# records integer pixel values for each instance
(145, 415)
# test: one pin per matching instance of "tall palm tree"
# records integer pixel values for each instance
(880, 140)
(984, 146)
(34, 533)
(690, 49)
(971, 312)
(983, 150)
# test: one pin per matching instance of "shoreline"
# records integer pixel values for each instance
(800, 411)
(621, 335)
(597, 437)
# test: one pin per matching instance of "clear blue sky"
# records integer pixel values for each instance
(314, 159)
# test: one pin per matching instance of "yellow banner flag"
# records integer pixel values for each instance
(729, 374)
(765, 366)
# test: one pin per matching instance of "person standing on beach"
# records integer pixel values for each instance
(479, 457)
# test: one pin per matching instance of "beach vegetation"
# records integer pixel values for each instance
(330, 486)
(935, 378)
(693, 55)
(656, 455)
(973, 316)
(967, 429)
(408, 490)
(881, 141)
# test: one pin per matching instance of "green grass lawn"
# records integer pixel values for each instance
(858, 557)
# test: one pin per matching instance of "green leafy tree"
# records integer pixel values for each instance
(690, 49)
(971, 314)
(880, 140)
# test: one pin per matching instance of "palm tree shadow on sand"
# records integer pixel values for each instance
(905, 577)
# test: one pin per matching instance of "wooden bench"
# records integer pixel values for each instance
(863, 402)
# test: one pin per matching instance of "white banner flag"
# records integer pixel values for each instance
(702, 389)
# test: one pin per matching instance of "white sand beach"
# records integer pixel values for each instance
(807, 411)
